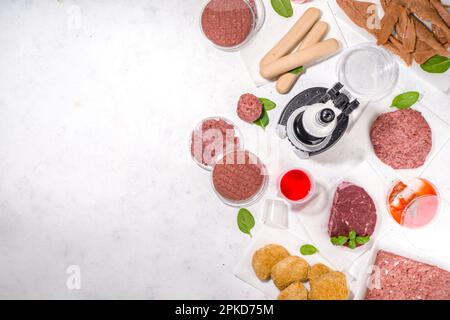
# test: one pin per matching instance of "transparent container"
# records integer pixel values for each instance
(230, 24)
(198, 128)
(368, 71)
(418, 203)
(311, 193)
(252, 199)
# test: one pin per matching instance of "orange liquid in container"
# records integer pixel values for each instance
(413, 204)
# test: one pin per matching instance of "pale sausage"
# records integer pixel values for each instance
(287, 80)
(303, 57)
(293, 37)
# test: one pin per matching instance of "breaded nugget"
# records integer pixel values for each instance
(289, 270)
(329, 286)
(295, 291)
(265, 258)
(318, 270)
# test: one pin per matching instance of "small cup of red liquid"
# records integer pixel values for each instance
(297, 186)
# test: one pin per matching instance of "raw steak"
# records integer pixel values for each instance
(352, 209)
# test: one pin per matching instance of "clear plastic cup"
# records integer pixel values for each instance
(276, 214)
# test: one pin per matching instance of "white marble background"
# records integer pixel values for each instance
(97, 99)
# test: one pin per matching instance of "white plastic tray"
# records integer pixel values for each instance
(316, 223)
(292, 243)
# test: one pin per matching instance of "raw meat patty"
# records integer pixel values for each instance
(238, 176)
(352, 209)
(249, 108)
(406, 279)
(213, 137)
(227, 23)
(401, 139)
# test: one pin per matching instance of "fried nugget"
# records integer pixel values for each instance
(289, 270)
(295, 291)
(265, 258)
(329, 286)
(318, 270)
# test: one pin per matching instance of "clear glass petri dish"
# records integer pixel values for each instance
(252, 198)
(413, 204)
(208, 165)
(368, 71)
(230, 24)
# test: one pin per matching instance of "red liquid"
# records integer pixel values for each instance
(295, 185)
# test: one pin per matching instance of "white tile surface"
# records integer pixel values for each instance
(97, 99)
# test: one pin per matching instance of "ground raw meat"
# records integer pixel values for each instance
(227, 23)
(401, 139)
(406, 279)
(249, 108)
(238, 176)
(352, 209)
(212, 138)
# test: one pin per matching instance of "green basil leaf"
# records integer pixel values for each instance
(308, 249)
(245, 221)
(352, 235)
(339, 241)
(297, 70)
(282, 7)
(436, 64)
(267, 104)
(405, 100)
(263, 121)
(362, 240)
(352, 244)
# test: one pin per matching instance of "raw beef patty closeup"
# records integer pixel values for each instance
(401, 139)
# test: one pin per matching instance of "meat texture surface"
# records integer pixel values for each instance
(401, 278)
(352, 209)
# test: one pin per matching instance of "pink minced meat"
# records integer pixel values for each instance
(214, 137)
(238, 176)
(249, 108)
(227, 23)
(401, 139)
(406, 279)
(352, 209)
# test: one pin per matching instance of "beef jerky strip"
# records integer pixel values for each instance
(397, 48)
(388, 23)
(358, 12)
(423, 52)
(427, 36)
(425, 11)
(406, 31)
(445, 15)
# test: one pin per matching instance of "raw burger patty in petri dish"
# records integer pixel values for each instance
(212, 137)
(238, 176)
(227, 23)
(401, 139)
